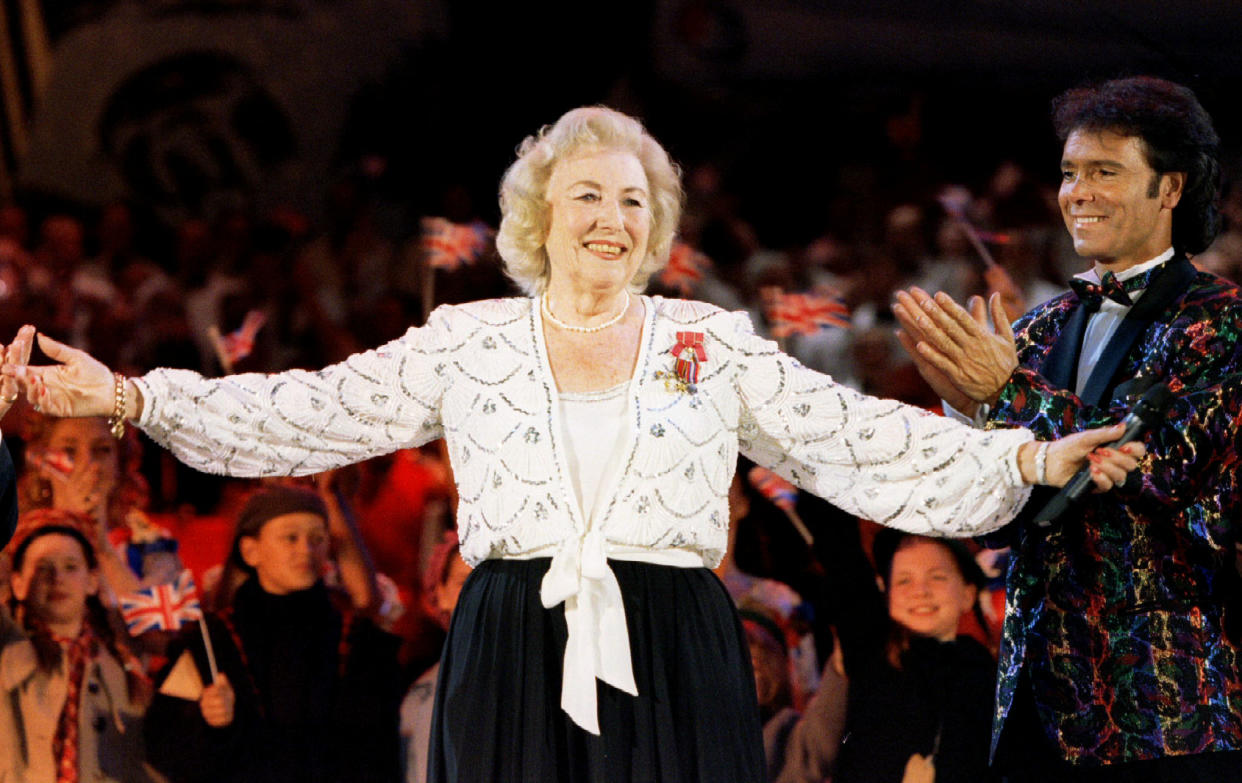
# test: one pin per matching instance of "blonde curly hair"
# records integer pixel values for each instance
(131, 491)
(523, 191)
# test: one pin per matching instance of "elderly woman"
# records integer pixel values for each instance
(593, 433)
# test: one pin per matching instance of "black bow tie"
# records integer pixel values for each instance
(1091, 293)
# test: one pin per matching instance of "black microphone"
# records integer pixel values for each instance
(1147, 412)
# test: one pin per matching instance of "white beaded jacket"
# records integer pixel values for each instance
(478, 375)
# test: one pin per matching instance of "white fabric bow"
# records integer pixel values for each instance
(598, 644)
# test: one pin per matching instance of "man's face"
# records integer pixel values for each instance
(1118, 211)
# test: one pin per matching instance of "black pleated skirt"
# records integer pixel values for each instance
(498, 717)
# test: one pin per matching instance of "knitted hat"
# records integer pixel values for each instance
(31, 521)
(267, 504)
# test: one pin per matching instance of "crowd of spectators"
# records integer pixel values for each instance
(800, 570)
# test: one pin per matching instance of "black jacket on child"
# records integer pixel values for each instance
(317, 692)
(940, 701)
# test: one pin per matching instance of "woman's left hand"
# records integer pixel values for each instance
(1066, 456)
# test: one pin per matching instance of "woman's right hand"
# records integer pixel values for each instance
(80, 385)
(216, 703)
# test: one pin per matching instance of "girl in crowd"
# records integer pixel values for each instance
(916, 704)
(71, 694)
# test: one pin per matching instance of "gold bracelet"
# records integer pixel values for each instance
(116, 423)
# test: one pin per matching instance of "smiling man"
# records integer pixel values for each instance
(1114, 664)
(1118, 210)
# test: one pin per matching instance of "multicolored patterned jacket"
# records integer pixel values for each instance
(1116, 610)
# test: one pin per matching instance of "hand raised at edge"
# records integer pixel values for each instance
(80, 385)
(999, 282)
(16, 354)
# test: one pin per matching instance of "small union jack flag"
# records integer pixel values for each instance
(774, 488)
(57, 461)
(804, 313)
(164, 607)
(685, 268)
(237, 345)
(448, 245)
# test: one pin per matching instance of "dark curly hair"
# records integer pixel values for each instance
(1177, 135)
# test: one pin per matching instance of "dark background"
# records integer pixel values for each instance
(798, 103)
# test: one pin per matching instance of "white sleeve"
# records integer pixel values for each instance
(978, 421)
(882, 460)
(300, 422)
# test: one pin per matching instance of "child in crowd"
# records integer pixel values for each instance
(71, 694)
(917, 705)
(307, 684)
(77, 465)
(767, 640)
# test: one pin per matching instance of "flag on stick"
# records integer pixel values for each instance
(162, 607)
(774, 488)
(231, 348)
(956, 201)
(56, 461)
(167, 607)
(783, 495)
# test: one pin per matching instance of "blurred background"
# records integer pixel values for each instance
(307, 178)
(237, 185)
(808, 110)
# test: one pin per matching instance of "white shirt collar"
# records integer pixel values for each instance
(1137, 269)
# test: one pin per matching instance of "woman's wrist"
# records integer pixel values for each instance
(1033, 462)
(133, 400)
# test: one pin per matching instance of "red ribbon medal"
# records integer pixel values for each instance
(689, 353)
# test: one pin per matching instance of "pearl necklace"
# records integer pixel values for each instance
(547, 312)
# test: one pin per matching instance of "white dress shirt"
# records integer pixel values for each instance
(1104, 322)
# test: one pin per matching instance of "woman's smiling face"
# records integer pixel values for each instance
(600, 219)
